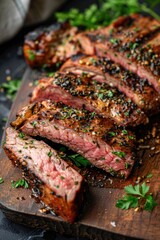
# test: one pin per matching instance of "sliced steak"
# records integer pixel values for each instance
(83, 92)
(105, 145)
(105, 70)
(47, 46)
(133, 42)
(62, 185)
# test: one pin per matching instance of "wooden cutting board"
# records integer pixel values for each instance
(100, 219)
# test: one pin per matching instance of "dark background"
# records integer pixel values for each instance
(12, 64)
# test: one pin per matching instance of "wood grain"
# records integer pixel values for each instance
(99, 212)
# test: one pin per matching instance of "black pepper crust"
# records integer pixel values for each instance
(81, 121)
(138, 89)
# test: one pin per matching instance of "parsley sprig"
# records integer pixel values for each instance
(137, 196)
(105, 12)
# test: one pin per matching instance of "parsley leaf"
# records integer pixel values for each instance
(150, 203)
(127, 202)
(134, 190)
(79, 160)
(144, 189)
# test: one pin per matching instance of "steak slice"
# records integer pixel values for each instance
(47, 46)
(105, 145)
(82, 92)
(62, 185)
(133, 42)
(105, 70)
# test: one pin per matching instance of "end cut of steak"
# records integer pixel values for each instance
(47, 46)
(106, 146)
(83, 92)
(133, 42)
(103, 70)
(62, 185)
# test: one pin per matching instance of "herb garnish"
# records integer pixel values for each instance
(114, 40)
(49, 154)
(101, 95)
(21, 135)
(92, 114)
(124, 131)
(137, 197)
(126, 114)
(119, 154)
(96, 16)
(11, 87)
(110, 94)
(149, 175)
(50, 74)
(78, 160)
(1, 180)
(112, 134)
(131, 137)
(19, 183)
(31, 55)
(34, 123)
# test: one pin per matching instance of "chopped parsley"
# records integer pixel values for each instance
(112, 134)
(110, 94)
(114, 40)
(92, 114)
(127, 165)
(101, 96)
(124, 131)
(126, 114)
(131, 137)
(34, 123)
(21, 135)
(19, 183)
(92, 60)
(1, 180)
(119, 154)
(50, 74)
(49, 154)
(133, 45)
(31, 55)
